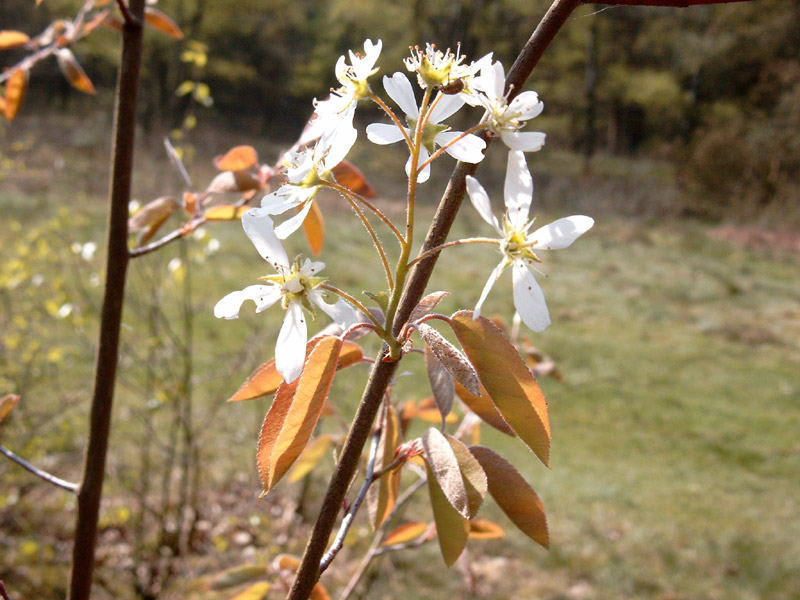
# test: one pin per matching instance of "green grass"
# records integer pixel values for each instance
(675, 451)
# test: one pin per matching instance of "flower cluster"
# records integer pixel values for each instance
(447, 84)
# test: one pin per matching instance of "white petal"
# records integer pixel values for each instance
(496, 80)
(289, 226)
(445, 107)
(526, 141)
(529, 298)
(561, 233)
(290, 351)
(527, 105)
(311, 268)
(339, 141)
(383, 133)
(518, 189)
(263, 295)
(285, 197)
(399, 89)
(425, 174)
(258, 227)
(480, 200)
(340, 311)
(467, 149)
(489, 283)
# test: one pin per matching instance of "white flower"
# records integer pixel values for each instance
(518, 245)
(307, 171)
(336, 113)
(468, 149)
(294, 285)
(506, 119)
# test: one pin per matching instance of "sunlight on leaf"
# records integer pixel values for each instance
(7, 403)
(405, 533)
(12, 39)
(484, 407)
(16, 85)
(482, 529)
(507, 380)
(294, 413)
(238, 158)
(309, 458)
(451, 528)
(150, 218)
(350, 177)
(513, 494)
(225, 212)
(73, 72)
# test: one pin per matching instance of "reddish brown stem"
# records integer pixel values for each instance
(91, 486)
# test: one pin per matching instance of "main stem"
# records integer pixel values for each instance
(91, 487)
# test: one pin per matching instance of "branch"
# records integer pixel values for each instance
(91, 487)
(49, 478)
(167, 239)
(668, 3)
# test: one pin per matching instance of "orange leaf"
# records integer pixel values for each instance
(150, 218)
(314, 228)
(513, 494)
(508, 381)
(484, 407)
(97, 20)
(157, 19)
(238, 158)
(381, 498)
(428, 411)
(7, 403)
(225, 212)
(291, 563)
(451, 527)
(310, 457)
(405, 533)
(189, 202)
(233, 181)
(426, 305)
(294, 412)
(481, 529)
(73, 72)
(12, 39)
(350, 177)
(15, 92)
(266, 379)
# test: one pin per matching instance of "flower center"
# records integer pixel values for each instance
(429, 133)
(516, 244)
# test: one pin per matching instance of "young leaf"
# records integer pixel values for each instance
(482, 529)
(257, 591)
(451, 358)
(471, 473)
(513, 494)
(7, 403)
(154, 214)
(381, 497)
(12, 39)
(314, 228)
(428, 411)
(73, 72)
(238, 158)
(426, 305)
(225, 212)
(508, 381)
(310, 457)
(266, 379)
(229, 182)
(443, 463)
(405, 533)
(291, 563)
(484, 407)
(294, 413)
(16, 85)
(236, 576)
(451, 527)
(441, 383)
(157, 19)
(350, 177)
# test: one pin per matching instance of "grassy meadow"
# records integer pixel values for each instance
(675, 454)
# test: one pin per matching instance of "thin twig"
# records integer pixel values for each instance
(449, 144)
(375, 240)
(391, 114)
(441, 247)
(41, 474)
(345, 191)
(356, 303)
(347, 521)
(167, 239)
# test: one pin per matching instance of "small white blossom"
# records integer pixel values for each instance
(518, 245)
(294, 285)
(468, 149)
(335, 114)
(64, 311)
(306, 171)
(506, 119)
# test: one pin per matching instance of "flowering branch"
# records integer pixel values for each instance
(41, 474)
